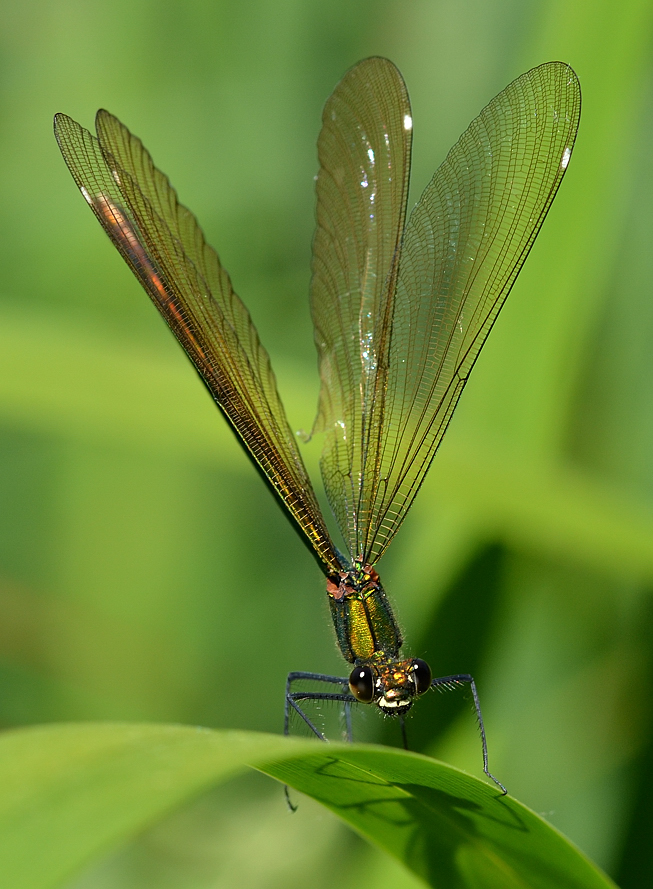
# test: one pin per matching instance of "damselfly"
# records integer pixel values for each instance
(400, 309)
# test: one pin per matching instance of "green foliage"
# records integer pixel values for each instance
(146, 574)
(70, 792)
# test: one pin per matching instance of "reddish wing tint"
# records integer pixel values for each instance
(164, 246)
(401, 311)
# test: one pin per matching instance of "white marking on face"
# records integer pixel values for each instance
(394, 704)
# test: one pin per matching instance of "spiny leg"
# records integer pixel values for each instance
(291, 703)
(293, 697)
(450, 682)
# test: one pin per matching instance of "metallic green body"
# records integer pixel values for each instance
(365, 626)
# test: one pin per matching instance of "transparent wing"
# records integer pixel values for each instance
(462, 249)
(163, 244)
(362, 186)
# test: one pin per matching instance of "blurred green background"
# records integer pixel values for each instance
(145, 571)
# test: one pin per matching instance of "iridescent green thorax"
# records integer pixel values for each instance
(369, 638)
(365, 626)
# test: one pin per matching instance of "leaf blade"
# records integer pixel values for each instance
(73, 792)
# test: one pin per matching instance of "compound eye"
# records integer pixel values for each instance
(361, 683)
(422, 675)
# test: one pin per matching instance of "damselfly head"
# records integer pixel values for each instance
(391, 685)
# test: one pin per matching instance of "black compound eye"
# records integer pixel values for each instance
(361, 683)
(422, 675)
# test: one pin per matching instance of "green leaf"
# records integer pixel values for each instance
(71, 793)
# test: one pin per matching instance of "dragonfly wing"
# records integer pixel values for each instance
(362, 184)
(463, 247)
(163, 244)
